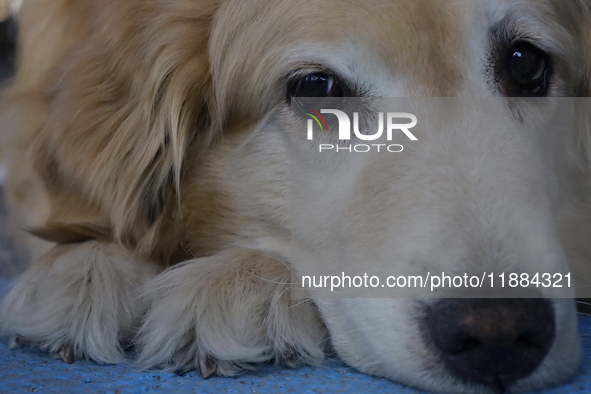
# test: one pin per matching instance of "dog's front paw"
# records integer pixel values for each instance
(79, 301)
(223, 313)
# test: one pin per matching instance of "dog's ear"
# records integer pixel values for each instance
(116, 107)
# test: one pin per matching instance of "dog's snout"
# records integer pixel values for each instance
(492, 341)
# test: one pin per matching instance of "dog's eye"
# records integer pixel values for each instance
(319, 90)
(317, 85)
(528, 71)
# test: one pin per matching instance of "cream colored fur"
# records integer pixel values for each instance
(85, 297)
(229, 310)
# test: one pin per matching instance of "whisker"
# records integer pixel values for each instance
(301, 302)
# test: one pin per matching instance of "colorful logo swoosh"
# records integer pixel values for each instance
(317, 117)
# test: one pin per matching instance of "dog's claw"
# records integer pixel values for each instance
(207, 365)
(67, 354)
(17, 342)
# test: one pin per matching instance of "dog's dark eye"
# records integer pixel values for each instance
(317, 85)
(319, 90)
(528, 71)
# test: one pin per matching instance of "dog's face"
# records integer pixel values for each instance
(190, 101)
(479, 191)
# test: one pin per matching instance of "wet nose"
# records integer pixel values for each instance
(492, 341)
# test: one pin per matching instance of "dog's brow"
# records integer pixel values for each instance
(511, 29)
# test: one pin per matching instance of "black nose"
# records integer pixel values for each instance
(492, 341)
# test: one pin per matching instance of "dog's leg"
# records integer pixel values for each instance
(221, 313)
(79, 300)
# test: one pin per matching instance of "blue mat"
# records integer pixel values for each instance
(29, 370)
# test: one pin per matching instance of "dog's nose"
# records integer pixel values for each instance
(492, 341)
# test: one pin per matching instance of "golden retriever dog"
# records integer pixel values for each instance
(150, 149)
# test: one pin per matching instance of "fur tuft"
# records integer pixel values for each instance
(83, 296)
(227, 311)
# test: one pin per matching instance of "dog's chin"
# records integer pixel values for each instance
(366, 338)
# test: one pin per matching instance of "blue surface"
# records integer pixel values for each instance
(29, 370)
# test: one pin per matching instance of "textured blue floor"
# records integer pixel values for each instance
(29, 370)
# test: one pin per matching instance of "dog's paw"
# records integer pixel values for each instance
(78, 301)
(223, 313)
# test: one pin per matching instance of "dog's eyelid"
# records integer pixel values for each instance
(507, 35)
(295, 74)
(300, 70)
